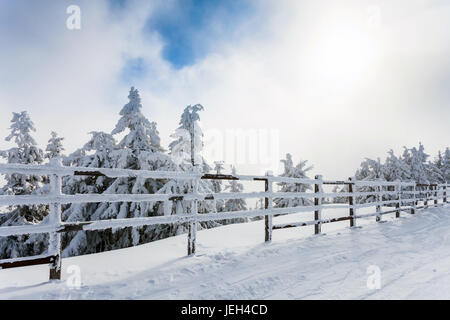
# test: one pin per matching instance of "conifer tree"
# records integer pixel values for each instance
(139, 149)
(186, 152)
(217, 185)
(370, 170)
(420, 171)
(446, 165)
(235, 204)
(395, 169)
(291, 171)
(437, 169)
(54, 147)
(25, 152)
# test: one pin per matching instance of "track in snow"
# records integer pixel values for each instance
(413, 253)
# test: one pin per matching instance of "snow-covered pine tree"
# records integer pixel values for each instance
(217, 185)
(188, 145)
(96, 153)
(370, 170)
(235, 204)
(446, 165)
(436, 169)
(420, 171)
(439, 161)
(139, 149)
(54, 150)
(395, 168)
(54, 147)
(186, 152)
(299, 171)
(25, 152)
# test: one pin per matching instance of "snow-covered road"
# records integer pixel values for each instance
(412, 253)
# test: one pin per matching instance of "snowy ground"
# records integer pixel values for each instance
(413, 254)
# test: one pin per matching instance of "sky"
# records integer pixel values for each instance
(329, 82)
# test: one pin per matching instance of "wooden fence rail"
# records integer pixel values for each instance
(400, 196)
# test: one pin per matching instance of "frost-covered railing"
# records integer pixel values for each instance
(401, 196)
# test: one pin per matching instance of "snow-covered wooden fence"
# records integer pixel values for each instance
(401, 196)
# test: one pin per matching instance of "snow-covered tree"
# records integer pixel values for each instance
(395, 168)
(420, 171)
(25, 152)
(436, 169)
(439, 169)
(291, 171)
(446, 165)
(139, 149)
(54, 147)
(54, 150)
(186, 152)
(370, 170)
(235, 204)
(96, 153)
(411, 166)
(217, 185)
(187, 148)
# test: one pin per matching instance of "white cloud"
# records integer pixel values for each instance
(261, 79)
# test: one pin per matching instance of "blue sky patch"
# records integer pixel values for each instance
(190, 27)
(117, 4)
(134, 68)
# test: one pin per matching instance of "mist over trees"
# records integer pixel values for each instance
(413, 165)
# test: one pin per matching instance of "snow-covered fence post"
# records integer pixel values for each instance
(192, 232)
(398, 189)
(378, 205)
(416, 195)
(351, 202)
(425, 202)
(430, 194)
(413, 209)
(445, 193)
(318, 204)
(268, 205)
(55, 220)
(436, 190)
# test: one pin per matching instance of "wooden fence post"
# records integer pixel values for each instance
(425, 204)
(398, 189)
(192, 232)
(351, 201)
(268, 205)
(436, 191)
(416, 199)
(55, 219)
(378, 207)
(445, 193)
(413, 209)
(318, 203)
